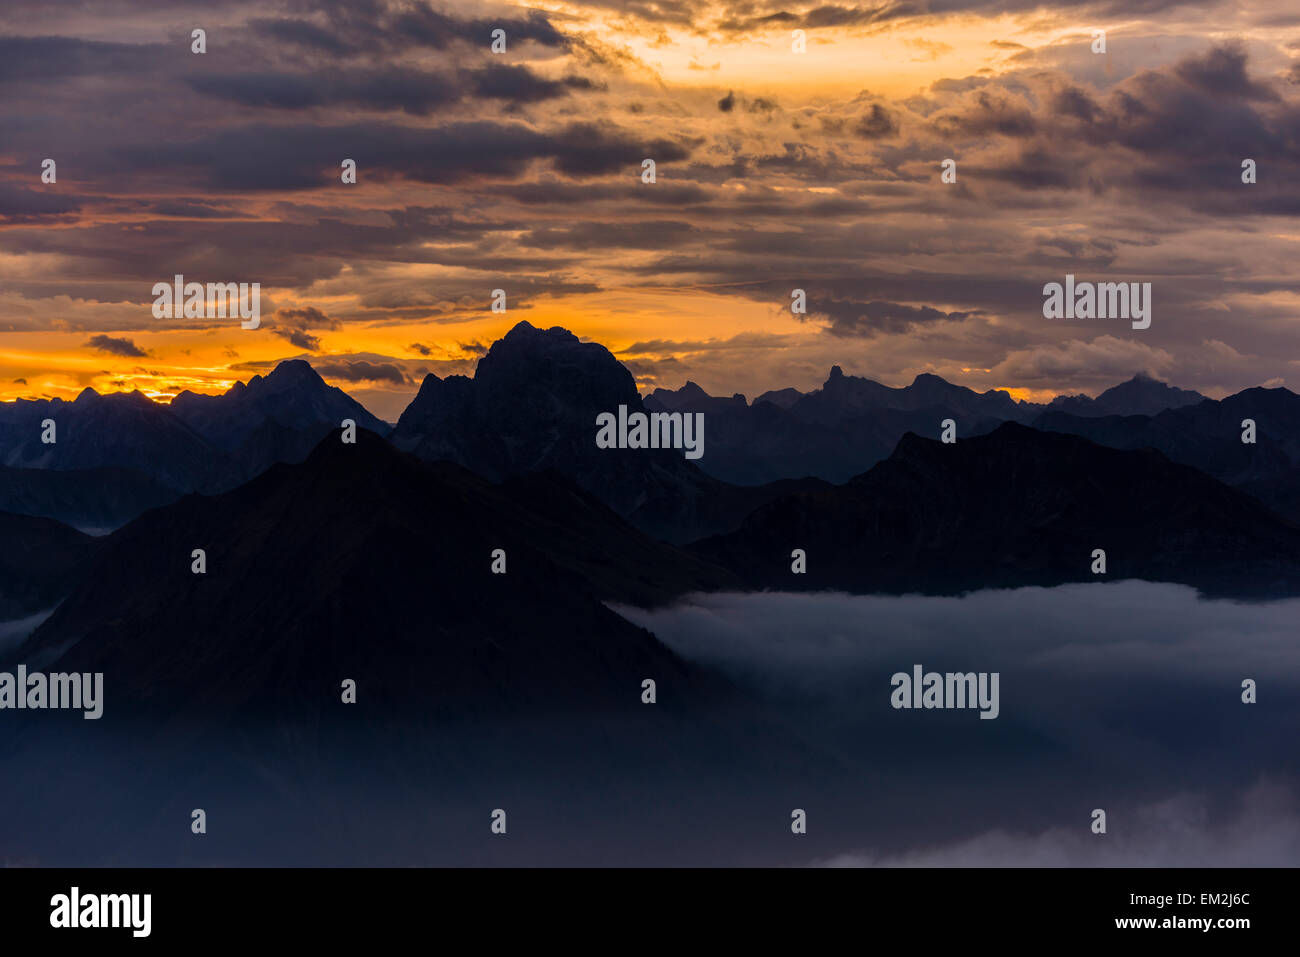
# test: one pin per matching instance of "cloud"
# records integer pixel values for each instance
(413, 91)
(291, 154)
(292, 325)
(361, 371)
(1119, 695)
(416, 92)
(1104, 357)
(19, 204)
(989, 112)
(116, 347)
(1222, 71)
(474, 166)
(1181, 831)
(380, 27)
(849, 318)
(518, 84)
(876, 123)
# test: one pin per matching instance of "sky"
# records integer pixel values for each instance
(775, 170)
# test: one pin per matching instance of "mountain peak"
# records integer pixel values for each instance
(292, 372)
(929, 378)
(523, 330)
(1145, 395)
(369, 451)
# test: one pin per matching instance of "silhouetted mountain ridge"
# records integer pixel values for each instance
(532, 406)
(363, 562)
(1016, 507)
(39, 558)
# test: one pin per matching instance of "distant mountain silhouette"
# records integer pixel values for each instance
(365, 563)
(851, 423)
(781, 398)
(1207, 436)
(532, 406)
(116, 455)
(124, 430)
(277, 418)
(39, 559)
(844, 396)
(1016, 507)
(691, 397)
(1140, 395)
(837, 431)
(96, 500)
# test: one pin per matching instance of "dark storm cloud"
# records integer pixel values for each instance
(368, 27)
(816, 15)
(559, 193)
(637, 234)
(847, 318)
(1033, 168)
(293, 325)
(392, 88)
(116, 347)
(306, 34)
(989, 113)
(20, 204)
(1076, 102)
(416, 92)
(24, 59)
(518, 84)
(180, 208)
(876, 122)
(293, 157)
(361, 371)
(1222, 72)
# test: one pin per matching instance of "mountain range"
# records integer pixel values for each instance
(532, 405)
(1015, 507)
(362, 539)
(851, 423)
(1208, 436)
(113, 456)
(475, 570)
(525, 425)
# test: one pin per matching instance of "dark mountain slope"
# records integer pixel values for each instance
(1207, 436)
(365, 563)
(1016, 507)
(39, 562)
(98, 499)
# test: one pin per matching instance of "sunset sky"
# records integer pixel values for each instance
(775, 170)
